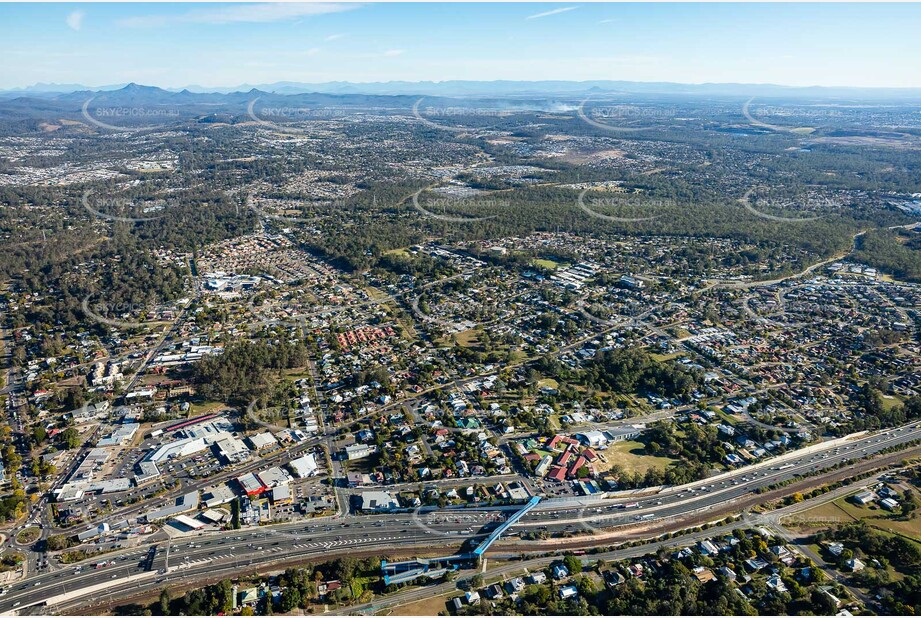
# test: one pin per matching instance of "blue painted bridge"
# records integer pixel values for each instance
(508, 523)
(407, 571)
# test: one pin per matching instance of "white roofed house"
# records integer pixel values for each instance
(568, 592)
(708, 548)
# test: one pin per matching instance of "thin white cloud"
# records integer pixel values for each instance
(239, 13)
(390, 53)
(607, 21)
(553, 12)
(75, 20)
(333, 37)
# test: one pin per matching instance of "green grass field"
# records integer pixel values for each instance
(630, 455)
(548, 264)
(661, 358)
(843, 511)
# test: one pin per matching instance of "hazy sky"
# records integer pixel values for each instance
(219, 44)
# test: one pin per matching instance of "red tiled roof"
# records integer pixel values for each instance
(557, 473)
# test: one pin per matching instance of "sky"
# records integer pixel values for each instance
(173, 45)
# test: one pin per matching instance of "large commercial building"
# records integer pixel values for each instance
(183, 504)
(304, 466)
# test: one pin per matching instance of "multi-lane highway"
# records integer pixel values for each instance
(719, 490)
(207, 556)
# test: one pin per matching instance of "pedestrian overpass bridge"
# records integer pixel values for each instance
(508, 523)
(407, 571)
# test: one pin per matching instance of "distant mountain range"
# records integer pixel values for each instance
(482, 89)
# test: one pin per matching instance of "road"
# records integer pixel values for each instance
(228, 553)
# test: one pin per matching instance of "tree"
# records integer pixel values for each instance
(57, 542)
(823, 604)
(290, 599)
(164, 602)
(909, 505)
(573, 564)
(70, 438)
(235, 514)
(585, 586)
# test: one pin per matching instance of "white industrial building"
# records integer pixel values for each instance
(232, 450)
(120, 435)
(378, 502)
(273, 477)
(262, 441)
(178, 449)
(593, 439)
(185, 503)
(304, 466)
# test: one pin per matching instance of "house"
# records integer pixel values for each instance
(537, 578)
(249, 597)
(494, 592)
(775, 583)
(826, 590)
(614, 578)
(472, 597)
(560, 571)
(835, 548)
(568, 592)
(325, 588)
(707, 548)
(855, 565)
(755, 564)
(703, 574)
(865, 498)
(728, 573)
(783, 553)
